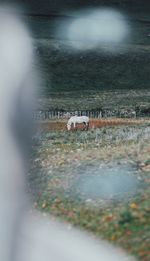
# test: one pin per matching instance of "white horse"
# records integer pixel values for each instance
(78, 119)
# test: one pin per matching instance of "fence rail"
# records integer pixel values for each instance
(97, 114)
(47, 115)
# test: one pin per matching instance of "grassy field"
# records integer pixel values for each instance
(97, 180)
(88, 100)
(65, 70)
(93, 79)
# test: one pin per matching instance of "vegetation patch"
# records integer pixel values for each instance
(66, 165)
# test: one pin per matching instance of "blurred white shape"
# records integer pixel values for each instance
(83, 33)
(26, 237)
(15, 48)
(15, 68)
(47, 240)
(96, 29)
(112, 26)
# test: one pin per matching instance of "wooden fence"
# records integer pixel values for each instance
(97, 114)
(47, 115)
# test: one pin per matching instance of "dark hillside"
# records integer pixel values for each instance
(94, 71)
(64, 70)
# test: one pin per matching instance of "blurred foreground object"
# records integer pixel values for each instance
(26, 235)
(103, 28)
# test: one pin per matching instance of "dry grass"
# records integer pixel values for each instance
(59, 156)
(60, 125)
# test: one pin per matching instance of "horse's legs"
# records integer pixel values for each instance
(74, 126)
(87, 125)
(84, 125)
